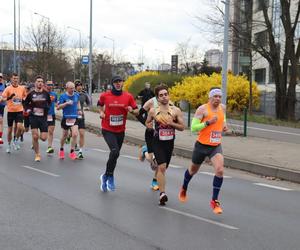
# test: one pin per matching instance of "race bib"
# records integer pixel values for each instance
(70, 122)
(17, 101)
(166, 134)
(49, 118)
(79, 116)
(116, 120)
(215, 136)
(38, 111)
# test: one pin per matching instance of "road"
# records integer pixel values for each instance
(57, 205)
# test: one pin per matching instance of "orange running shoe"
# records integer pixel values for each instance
(216, 206)
(182, 195)
(73, 156)
(37, 158)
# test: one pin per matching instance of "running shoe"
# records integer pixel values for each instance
(163, 198)
(1, 141)
(142, 151)
(111, 183)
(16, 145)
(37, 158)
(103, 183)
(61, 154)
(21, 138)
(154, 185)
(80, 156)
(8, 149)
(76, 148)
(73, 156)
(50, 150)
(182, 195)
(216, 206)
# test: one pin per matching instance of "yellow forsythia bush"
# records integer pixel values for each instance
(133, 78)
(195, 90)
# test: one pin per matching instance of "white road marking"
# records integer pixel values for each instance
(175, 166)
(266, 130)
(100, 150)
(271, 186)
(129, 157)
(212, 174)
(200, 218)
(40, 171)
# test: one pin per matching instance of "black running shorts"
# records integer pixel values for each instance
(201, 151)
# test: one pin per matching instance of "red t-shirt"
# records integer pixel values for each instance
(116, 108)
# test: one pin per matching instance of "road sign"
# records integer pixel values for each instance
(85, 60)
(174, 64)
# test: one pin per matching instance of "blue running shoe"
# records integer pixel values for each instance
(103, 185)
(142, 152)
(111, 183)
(154, 185)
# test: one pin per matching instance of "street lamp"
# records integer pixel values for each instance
(2, 48)
(80, 47)
(113, 51)
(48, 47)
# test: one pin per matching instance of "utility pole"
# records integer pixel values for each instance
(15, 39)
(91, 49)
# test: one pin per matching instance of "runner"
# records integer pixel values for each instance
(210, 121)
(114, 106)
(69, 103)
(83, 99)
(166, 119)
(37, 103)
(14, 95)
(51, 118)
(146, 151)
(2, 106)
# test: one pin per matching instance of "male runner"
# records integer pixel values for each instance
(83, 99)
(166, 119)
(69, 103)
(2, 106)
(209, 121)
(51, 118)
(14, 95)
(114, 106)
(37, 103)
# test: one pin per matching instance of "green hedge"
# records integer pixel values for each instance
(139, 84)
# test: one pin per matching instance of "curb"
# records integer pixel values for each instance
(252, 167)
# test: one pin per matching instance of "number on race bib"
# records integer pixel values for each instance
(70, 122)
(215, 136)
(166, 134)
(116, 120)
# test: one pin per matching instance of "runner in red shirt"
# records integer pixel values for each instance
(114, 106)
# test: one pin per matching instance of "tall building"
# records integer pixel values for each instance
(214, 57)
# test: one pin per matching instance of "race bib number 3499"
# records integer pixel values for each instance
(116, 120)
(215, 136)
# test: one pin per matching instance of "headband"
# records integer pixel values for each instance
(214, 92)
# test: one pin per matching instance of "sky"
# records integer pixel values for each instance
(151, 28)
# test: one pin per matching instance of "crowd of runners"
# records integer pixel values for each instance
(34, 107)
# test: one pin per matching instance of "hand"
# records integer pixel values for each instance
(102, 115)
(225, 128)
(69, 102)
(212, 120)
(79, 112)
(129, 108)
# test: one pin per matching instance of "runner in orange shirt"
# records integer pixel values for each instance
(209, 121)
(14, 95)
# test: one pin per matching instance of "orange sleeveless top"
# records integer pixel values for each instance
(212, 134)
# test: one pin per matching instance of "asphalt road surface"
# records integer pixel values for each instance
(56, 204)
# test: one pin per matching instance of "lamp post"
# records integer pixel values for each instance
(48, 37)
(225, 52)
(80, 48)
(15, 38)
(91, 49)
(113, 51)
(2, 47)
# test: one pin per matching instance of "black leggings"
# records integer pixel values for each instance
(114, 142)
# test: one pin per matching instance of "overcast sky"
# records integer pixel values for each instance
(156, 26)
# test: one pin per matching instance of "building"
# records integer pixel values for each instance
(214, 57)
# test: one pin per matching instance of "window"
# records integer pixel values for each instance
(261, 38)
(260, 76)
(260, 4)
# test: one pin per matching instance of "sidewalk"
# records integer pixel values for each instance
(256, 155)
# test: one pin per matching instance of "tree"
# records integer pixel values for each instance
(45, 44)
(281, 52)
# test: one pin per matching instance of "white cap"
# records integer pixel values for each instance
(1, 74)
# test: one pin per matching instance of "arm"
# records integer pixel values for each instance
(197, 124)
(150, 117)
(61, 103)
(225, 127)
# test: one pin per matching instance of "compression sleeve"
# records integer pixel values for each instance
(197, 125)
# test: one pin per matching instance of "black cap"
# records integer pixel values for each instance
(78, 83)
(116, 79)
